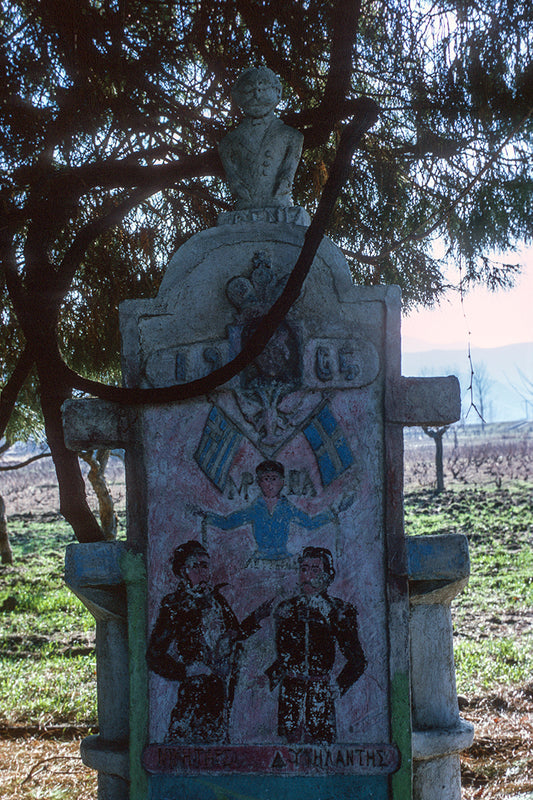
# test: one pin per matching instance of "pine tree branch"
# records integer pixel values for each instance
(350, 138)
(12, 387)
(70, 262)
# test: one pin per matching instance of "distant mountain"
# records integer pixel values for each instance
(506, 397)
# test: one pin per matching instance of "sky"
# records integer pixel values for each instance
(494, 319)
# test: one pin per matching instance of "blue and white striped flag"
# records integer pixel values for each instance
(329, 444)
(219, 442)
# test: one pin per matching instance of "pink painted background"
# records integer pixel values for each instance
(175, 481)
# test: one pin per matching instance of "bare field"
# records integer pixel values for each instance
(33, 489)
(500, 762)
(497, 457)
(501, 455)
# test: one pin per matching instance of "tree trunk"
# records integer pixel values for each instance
(72, 498)
(437, 435)
(439, 466)
(97, 463)
(5, 549)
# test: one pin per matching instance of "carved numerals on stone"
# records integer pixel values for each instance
(327, 363)
(341, 363)
(168, 366)
(324, 367)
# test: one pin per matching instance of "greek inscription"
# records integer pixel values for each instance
(294, 756)
(300, 483)
(277, 760)
(232, 490)
(308, 486)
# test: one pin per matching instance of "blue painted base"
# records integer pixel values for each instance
(269, 787)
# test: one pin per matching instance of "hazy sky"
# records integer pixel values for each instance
(494, 319)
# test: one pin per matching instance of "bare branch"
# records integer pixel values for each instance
(11, 390)
(344, 31)
(123, 173)
(25, 463)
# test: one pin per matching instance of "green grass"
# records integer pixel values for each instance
(48, 690)
(493, 636)
(47, 662)
(491, 663)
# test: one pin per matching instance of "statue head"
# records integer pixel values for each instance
(257, 91)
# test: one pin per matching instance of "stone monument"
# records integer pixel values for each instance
(254, 633)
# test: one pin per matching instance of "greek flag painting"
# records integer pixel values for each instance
(219, 442)
(329, 444)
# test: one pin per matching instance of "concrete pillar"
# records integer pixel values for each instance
(438, 570)
(93, 573)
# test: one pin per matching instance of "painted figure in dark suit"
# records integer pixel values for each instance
(260, 156)
(309, 629)
(196, 640)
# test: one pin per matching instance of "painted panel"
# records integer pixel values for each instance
(267, 612)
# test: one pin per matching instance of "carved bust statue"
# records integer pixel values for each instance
(261, 154)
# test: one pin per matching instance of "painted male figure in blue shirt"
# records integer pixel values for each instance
(270, 515)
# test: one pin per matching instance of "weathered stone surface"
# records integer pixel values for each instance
(438, 779)
(439, 557)
(192, 306)
(93, 573)
(434, 749)
(268, 606)
(191, 327)
(106, 757)
(87, 423)
(313, 402)
(438, 570)
(294, 215)
(439, 567)
(96, 564)
(425, 401)
(442, 742)
(434, 694)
